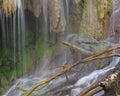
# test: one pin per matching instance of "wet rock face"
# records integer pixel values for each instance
(36, 5)
(92, 17)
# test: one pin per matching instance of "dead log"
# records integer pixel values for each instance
(109, 85)
(96, 90)
(95, 85)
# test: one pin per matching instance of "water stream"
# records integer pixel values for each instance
(94, 77)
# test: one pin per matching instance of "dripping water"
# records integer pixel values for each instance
(41, 72)
(67, 18)
(13, 33)
(18, 33)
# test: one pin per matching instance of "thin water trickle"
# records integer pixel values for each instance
(18, 32)
(45, 7)
(2, 17)
(67, 18)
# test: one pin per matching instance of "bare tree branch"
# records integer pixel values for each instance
(78, 49)
(69, 67)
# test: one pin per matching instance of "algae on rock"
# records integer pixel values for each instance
(94, 19)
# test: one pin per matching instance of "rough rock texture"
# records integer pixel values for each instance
(92, 17)
(36, 7)
(7, 6)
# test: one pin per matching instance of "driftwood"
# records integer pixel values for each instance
(69, 67)
(108, 84)
(97, 90)
(87, 90)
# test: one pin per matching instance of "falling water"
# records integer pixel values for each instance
(13, 34)
(41, 72)
(3, 31)
(67, 16)
(45, 7)
(18, 31)
(94, 77)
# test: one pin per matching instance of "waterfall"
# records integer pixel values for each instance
(41, 72)
(13, 33)
(18, 31)
(17, 39)
(41, 36)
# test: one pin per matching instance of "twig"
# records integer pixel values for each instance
(98, 89)
(19, 88)
(67, 79)
(96, 55)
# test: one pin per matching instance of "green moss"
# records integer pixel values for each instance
(40, 49)
(4, 80)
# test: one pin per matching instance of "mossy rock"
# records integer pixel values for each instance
(4, 81)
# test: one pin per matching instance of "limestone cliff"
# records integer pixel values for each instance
(93, 18)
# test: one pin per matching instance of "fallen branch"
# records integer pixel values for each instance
(96, 55)
(69, 67)
(106, 84)
(97, 90)
(88, 89)
(19, 88)
(80, 50)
